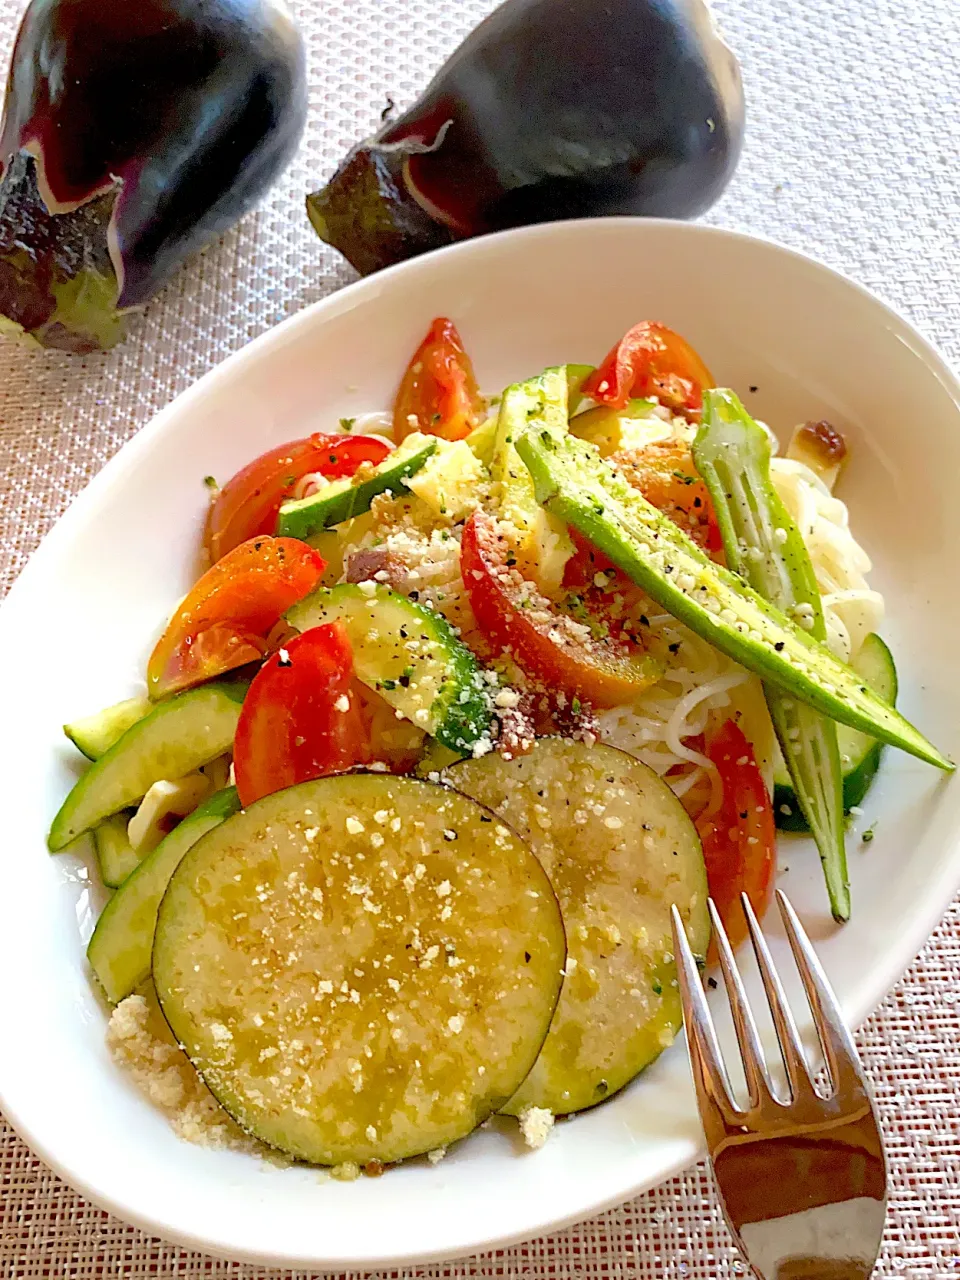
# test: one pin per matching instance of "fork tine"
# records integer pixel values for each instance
(758, 1083)
(839, 1051)
(709, 1073)
(791, 1048)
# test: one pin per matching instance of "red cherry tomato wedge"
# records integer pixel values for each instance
(248, 504)
(580, 571)
(438, 394)
(739, 839)
(651, 360)
(302, 717)
(544, 642)
(224, 621)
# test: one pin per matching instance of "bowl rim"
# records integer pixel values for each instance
(260, 349)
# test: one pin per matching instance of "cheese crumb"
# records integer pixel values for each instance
(355, 826)
(140, 1042)
(342, 703)
(535, 1125)
(436, 1155)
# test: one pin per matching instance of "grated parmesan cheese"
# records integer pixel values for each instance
(139, 1041)
(535, 1125)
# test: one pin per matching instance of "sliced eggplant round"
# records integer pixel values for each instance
(619, 849)
(363, 967)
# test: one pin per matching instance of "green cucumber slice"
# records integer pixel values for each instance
(859, 754)
(178, 736)
(363, 967)
(764, 546)
(343, 499)
(588, 493)
(119, 950)
(410, 656)
(619, 850)
(115, 855)
(93, 735)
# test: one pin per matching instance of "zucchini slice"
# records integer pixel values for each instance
(410, 656)
(178, 736)
(119, 950)
(343, 499)
(115, 856)
(619, 849)
(362, 967)
(93, 735)
(859, 754)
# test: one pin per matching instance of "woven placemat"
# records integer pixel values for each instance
(854, 135)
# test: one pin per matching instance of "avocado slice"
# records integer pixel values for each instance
(482, 439)
(611, 430)
(343, 499)
(574, 483)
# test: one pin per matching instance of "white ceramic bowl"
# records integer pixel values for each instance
(76, 630)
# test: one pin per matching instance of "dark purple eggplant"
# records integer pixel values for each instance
(549, 109)
(134, 132)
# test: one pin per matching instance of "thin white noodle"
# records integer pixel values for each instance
(677, 726)
(681, 784)
(373, 424)
(851, 608)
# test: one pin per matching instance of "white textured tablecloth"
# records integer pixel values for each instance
(852, 154)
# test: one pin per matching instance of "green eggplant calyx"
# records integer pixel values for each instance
(366, 212)
(58, 285)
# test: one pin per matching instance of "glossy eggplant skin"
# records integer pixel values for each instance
(549, 109)
(134, 132)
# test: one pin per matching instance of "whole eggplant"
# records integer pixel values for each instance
(134, 132)
(549, 109)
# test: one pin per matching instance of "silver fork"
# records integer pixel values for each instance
(803, 1180)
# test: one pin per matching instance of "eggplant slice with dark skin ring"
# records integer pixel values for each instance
(550, 109)
(134, 132)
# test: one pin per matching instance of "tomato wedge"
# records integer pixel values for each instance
(550, 647)
(248, 504)
(302, 717)
(438, 394)
(651, 360)
(580, 571)
(739, 839)
(664, 473)
(224, 621)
